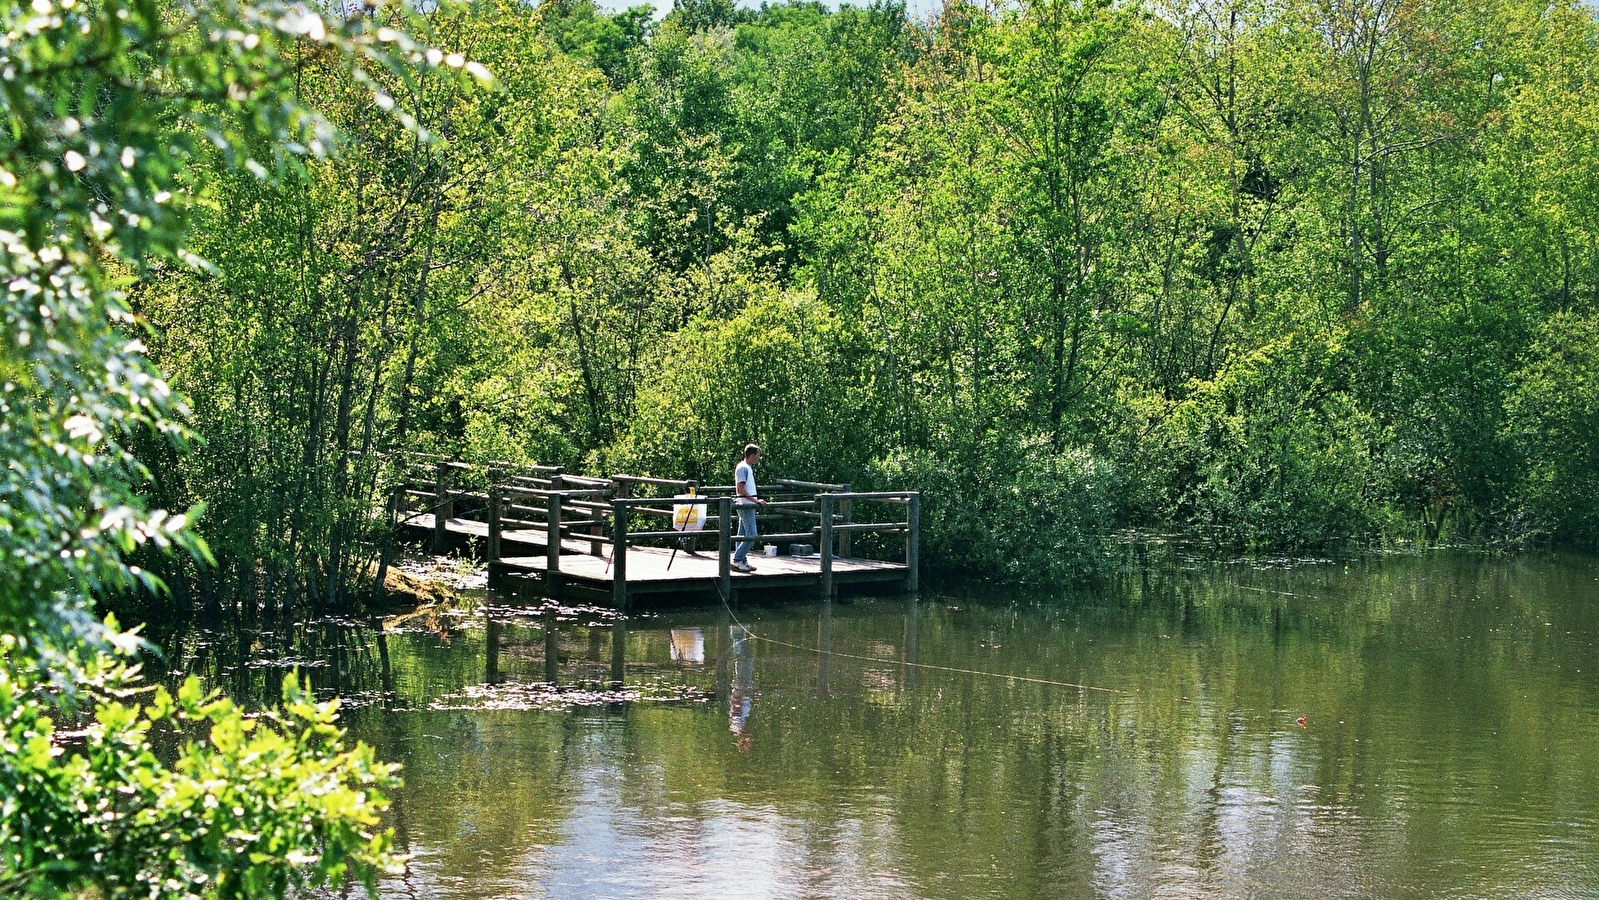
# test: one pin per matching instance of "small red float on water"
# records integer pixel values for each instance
(1301, 721)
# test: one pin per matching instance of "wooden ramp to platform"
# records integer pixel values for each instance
(514, 516)
(510, 538)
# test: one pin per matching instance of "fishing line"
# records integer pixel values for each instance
(929, 666)
(1261, 590)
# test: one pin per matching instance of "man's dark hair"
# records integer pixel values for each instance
(751, 449)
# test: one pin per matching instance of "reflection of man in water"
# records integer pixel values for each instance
(742, 695)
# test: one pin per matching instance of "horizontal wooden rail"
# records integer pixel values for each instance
(678, 535)
(635, 502)
(563, 492)
(594, 538)
(535, 468)
(542, 518)
(656, 535)
(774, 505)
(419, 457)
(529, 481)
(812, 485)
(509, 491)
(685, 484)
(786, 537)
(656, 510)
(589, 505)
(879, 496)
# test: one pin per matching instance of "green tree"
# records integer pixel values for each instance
(109, 108)
(608, 42)
(773, 374)
(334, 297)
(1554, 421)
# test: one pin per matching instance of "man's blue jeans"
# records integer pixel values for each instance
(746, 529)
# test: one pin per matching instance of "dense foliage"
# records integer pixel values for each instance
(132, 806)
(118, 117)
(1289, 273)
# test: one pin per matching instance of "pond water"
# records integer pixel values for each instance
(1139, 740)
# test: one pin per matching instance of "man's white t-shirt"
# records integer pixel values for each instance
(745, 475)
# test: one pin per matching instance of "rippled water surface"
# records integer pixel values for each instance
(1141, 740)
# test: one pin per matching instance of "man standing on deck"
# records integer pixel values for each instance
(747, 502)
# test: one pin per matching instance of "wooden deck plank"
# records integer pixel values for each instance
(658, 570)
(650, 564)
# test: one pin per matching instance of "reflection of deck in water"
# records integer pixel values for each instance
(511, 520)
(561, 656)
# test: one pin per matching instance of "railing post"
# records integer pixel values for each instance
(619, 555)
(845, 545)
(494, 525)
(826, 548)
(495, 474)
(913, 549)
(724, 547)
(443, 508)
(552, 544)
(397, 500)
(620, 490)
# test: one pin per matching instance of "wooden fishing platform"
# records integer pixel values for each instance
(615, 544)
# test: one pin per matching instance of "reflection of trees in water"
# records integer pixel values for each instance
(339, 656)
(1447, 722)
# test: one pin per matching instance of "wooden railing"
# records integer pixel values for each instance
(602, 513)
